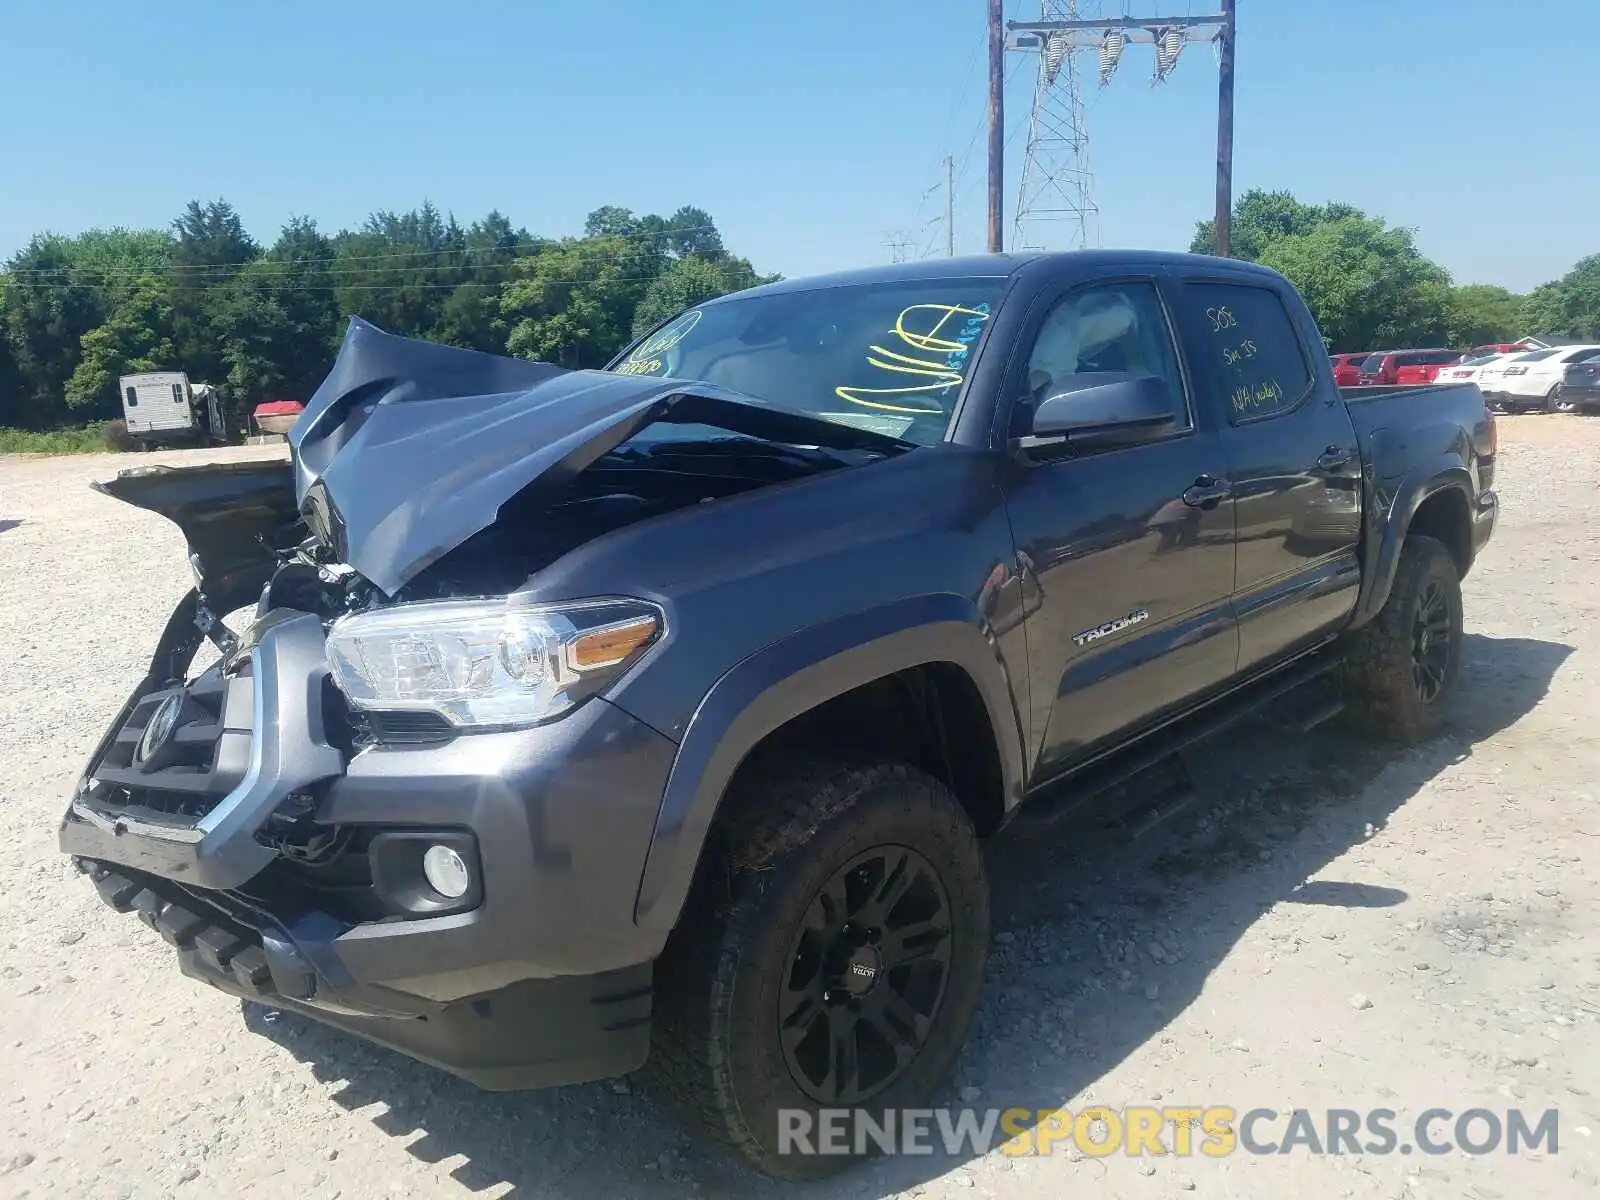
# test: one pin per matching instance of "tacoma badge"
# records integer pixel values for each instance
(1110, 627)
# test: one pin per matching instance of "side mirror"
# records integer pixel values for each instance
(1103, 409)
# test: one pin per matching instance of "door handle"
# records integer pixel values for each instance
(1207, 491)
(1333, 458)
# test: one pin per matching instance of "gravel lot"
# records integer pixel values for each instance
(1341, 925)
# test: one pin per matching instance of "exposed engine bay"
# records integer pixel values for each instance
(646, 478)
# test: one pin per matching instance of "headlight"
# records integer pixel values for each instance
(487, 662)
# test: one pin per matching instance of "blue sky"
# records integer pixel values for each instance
(810, 131)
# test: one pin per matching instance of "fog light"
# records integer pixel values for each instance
(446, 872)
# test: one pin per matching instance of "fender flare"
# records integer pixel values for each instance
(1416, 487)
(790, 677)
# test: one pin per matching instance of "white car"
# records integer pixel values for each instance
(1529, 381)
(1470, 368)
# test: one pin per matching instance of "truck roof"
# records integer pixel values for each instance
(988, 266)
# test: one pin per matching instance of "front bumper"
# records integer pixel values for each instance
(546, 980)
(534, 1033)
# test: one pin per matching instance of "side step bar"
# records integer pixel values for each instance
(1163, 746)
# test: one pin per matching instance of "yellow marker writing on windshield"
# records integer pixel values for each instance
(941, 374)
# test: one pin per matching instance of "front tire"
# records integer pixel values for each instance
(831, 957)
(1400, 668)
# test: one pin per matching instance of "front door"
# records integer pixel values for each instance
(1131, 611)
(1292, 459)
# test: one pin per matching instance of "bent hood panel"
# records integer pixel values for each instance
(412, 447)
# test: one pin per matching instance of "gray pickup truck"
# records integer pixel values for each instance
(651, 716)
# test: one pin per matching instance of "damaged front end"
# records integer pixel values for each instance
(275, 815)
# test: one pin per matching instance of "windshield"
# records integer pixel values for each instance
(888, 357)
(1370, 364)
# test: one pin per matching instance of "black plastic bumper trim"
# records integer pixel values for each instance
(534, 1033)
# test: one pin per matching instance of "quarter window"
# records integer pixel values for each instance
(1250, 355)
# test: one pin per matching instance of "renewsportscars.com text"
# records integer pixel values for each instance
(1212, 1131)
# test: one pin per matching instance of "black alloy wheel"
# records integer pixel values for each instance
(867, 975)
(1432, 643)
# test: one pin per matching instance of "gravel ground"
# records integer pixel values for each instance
(1339, 925)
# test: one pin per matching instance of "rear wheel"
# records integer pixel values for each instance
(831, 958)
(1400, 668)
(1555, 403)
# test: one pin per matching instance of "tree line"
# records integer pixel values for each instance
(265, 320)
(1372, 289)
(205, 297)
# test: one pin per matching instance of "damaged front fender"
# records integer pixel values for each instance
(235, 517)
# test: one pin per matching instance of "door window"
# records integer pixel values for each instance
(1113, 329)
(1249, 353)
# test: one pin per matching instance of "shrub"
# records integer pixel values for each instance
(85, 439)
(117, 437)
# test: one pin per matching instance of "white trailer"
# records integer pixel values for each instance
(164, 405)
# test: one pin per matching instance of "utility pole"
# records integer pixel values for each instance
(899, 244)
(949, 206)
(1168, 34)
(1220, 224)
(997, 123)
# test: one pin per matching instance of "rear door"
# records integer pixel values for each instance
(1293, 461)
(1128, 551)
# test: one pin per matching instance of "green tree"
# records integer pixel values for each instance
(691, 230)
(278, 321)
(1367, 284)
(210, 248)
(399, 268)
(60, 296)
(1569, 306)
(204, 297)
(471, 314)
(1260, 217)
(610, 221)
(1480, 313)
(136, 336)
(691, 281)
(48, 306)
(573, 302)
(12, 408)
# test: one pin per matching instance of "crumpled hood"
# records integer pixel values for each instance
(409, 447)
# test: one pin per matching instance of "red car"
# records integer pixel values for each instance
(1407, 367)
(1347, 367)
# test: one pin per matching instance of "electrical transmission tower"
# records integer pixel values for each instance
(1057, 187)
